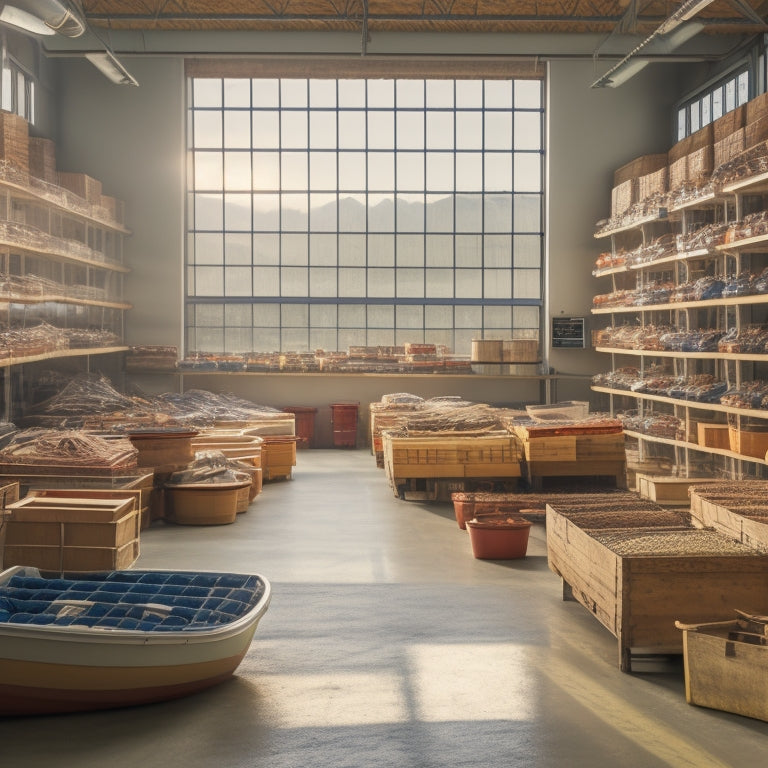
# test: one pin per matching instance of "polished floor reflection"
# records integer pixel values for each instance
(388, 644)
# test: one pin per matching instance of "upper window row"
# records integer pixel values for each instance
(716, 101)
(286, 93)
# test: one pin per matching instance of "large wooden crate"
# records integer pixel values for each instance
(486, 456)
(638, 598)
(57, 559)
(732, 510)
(581, 453)
(725, 673)
(58, 530)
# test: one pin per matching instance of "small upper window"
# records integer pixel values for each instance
(17, 91)
(707, 106)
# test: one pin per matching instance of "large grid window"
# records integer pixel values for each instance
(327, 213)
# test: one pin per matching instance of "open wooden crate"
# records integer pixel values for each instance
(638, 597)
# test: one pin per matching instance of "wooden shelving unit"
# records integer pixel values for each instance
(749, 254)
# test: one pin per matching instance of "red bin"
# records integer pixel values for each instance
(344, 423)
(305, 423)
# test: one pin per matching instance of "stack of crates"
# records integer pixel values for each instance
(344, 423)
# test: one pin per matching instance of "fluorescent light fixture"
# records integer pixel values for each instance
(28, 22)
(43, 17)
(622, 72)
(695, 7)
(109, 66)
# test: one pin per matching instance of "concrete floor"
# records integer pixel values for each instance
(388, 644)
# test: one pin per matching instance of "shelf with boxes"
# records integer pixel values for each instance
(61, 256)
(687, 310)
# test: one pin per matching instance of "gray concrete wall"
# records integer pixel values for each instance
(592, 132)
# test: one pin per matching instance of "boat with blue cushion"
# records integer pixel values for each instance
(121, 638)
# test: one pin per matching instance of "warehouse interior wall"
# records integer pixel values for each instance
(132, 140)
(592, 132)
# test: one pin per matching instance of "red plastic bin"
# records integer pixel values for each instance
(344, 423)
(305, 424)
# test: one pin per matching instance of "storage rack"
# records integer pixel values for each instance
(74, 250)
(730, 258)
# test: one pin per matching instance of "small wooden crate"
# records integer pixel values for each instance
(722, 673)
(710, 435)
(748, 442)
(668, 491)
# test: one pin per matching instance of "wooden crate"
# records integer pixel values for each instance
(734, 517)
(450, 457)
(277, 452)
(668, 491)
(748, 442)
(143, 483)
(724, 673)
(520, 350)
(72, 559)
(73, 533)
(639, 598)
(71, 509)
(711, 435)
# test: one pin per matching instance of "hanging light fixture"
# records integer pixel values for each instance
(671, 33)
(43, 17)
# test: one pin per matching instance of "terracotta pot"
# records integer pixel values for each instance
(463, 509)
(499, 539)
